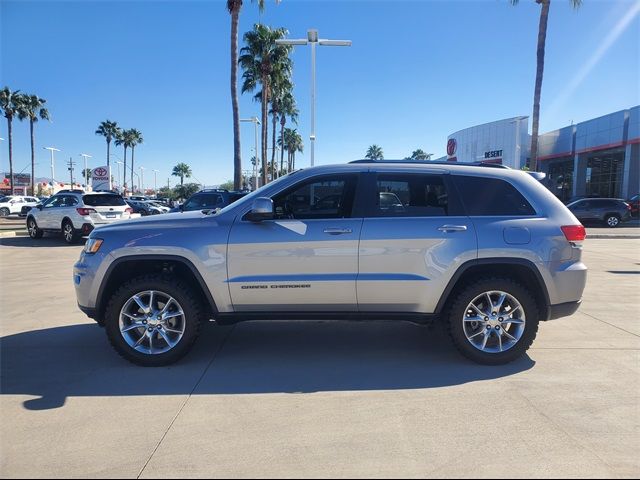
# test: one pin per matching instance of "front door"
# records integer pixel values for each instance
(306, 259)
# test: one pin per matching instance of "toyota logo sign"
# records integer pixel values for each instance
(100, 172)
(452, 146)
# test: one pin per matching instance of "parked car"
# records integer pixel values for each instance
(610, 211)
(209, 199)
(76, 214)
(158, 206)
(634, 202)
(12, 204)
(143, 208)
(489, 252)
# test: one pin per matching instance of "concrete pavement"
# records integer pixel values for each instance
(316, 399)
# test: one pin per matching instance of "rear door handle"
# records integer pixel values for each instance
(337, 231)
(453, 228)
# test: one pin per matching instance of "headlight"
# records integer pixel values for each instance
(93, 245)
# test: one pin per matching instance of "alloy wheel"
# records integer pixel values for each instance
(68, 232)
(152, 322)
(494, 321)
(613, 221)
(31, 227)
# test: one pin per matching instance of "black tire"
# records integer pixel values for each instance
(174, 287)
(4, 212)
(457, 310)
(32, 228)
(612, 221)
(69, 233)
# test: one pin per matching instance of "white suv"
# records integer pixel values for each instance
(13, 204)
(76, 214)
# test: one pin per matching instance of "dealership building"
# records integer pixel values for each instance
(595, 157)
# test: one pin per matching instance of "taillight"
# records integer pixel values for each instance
(628, 206)
(574, 233)
(129, 210)
(85, 211)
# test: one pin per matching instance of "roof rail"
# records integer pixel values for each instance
(220, 190)
(429, 162)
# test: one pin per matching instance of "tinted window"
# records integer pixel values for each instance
(491, 197)
(56, 201)
(103, 200)
(605, 204)
(68, 201)
(203, 201)
(329, 197)
(411, 196)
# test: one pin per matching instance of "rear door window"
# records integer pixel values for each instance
(203, 201)
(411, 195)
(103, 200)
(489, 197)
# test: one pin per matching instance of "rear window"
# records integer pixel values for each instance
(605, 203)
(103, 200)
(492, 197)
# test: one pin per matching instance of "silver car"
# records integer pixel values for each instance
(487, 251)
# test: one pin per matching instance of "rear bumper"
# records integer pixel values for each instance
(563, 309)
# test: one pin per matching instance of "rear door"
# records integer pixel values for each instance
(414, 237)
(49, 217)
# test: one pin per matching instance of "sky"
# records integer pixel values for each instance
(416, 72)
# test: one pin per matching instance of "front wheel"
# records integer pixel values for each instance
(493, 321)
(153, 320)
(4, 212)
(612, 221)
(32, 228)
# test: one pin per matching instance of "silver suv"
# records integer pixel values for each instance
(488, 251)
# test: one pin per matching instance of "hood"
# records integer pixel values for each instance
(164, 221)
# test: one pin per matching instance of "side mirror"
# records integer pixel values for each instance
(40, 206)
(262, 209)
(181, 207)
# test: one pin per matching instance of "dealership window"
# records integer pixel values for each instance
(604, 174)
(560, 178)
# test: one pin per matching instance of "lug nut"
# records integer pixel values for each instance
(486, 319)
(497, 327)
(501, 319)
(151, 329)
(144, 322)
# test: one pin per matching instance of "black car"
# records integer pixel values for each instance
(143, 208)
(209, 200)
(610, 211)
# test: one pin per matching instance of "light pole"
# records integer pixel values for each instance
(53, 174)
(312, 38)
(86, 174)
(155, 182)
(256, 122)
(141, 180)
(118, 162)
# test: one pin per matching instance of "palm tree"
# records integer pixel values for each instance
(109, 130)
(123, 138)
(291, 141)
(374, 152)
(234, 7)
(135, 138)
(32, 108)
(259, 59)
(419, 154)
(10, 104)
(181, 170)
(542, 40)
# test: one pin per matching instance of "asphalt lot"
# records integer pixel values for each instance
(316, 399)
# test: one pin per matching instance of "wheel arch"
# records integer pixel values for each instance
(121, 268)
(522, 270)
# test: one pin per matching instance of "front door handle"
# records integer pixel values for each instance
(453, 228)
(337, 231)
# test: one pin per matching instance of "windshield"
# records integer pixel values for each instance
(255, 194)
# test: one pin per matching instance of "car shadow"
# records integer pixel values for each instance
(249, 358)
(48, 240)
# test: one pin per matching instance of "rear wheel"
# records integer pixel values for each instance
(493, 321)
(4, 212)
(612, 221)
(69, 233)
(32, 228)
(153, 320)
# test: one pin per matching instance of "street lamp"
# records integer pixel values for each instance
(141, 180)
(119, 183)
(255, 122)
(312, 38)
(86, 174)
(155, 182)
(51, 150)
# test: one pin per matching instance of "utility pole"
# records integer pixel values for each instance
(71, 165)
